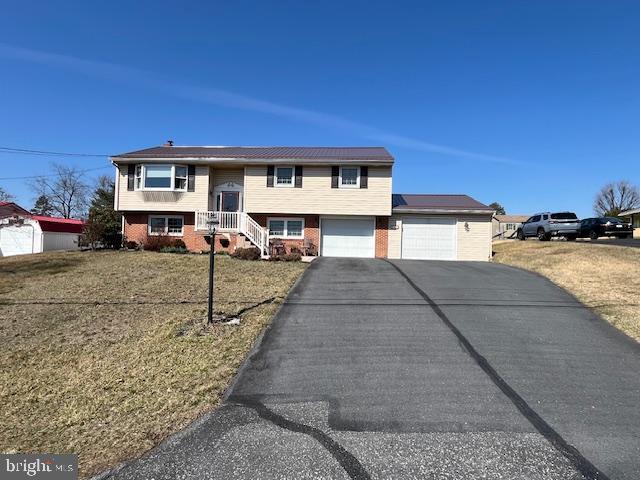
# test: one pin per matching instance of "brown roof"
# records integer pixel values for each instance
(9, 209)
(405, 202)
(511, 218)
(315, 154)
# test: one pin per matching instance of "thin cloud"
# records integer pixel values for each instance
(215, 96)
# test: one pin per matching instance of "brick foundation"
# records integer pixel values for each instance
(136, 227)
(311, 229)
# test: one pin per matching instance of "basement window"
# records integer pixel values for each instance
(286, 227)
(166, 225)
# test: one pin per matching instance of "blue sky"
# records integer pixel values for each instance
(532, 104)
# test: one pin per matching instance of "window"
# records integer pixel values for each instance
(138, 177)
(564, 216)
(180, 177)
(161, 177)
(535, 218)
(284, 176)
(157, 176)
(510, 226)
(276, 228)
(349, 177)
(286, 227)
(636, 221)
(170, 225)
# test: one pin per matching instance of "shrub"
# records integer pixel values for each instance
(291, 257)
(251, 253)
(156, 243)
(179, 243)
(131, 245)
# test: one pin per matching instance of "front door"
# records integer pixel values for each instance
(229, 201)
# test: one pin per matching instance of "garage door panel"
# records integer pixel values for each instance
(429, 238)
(348, 238)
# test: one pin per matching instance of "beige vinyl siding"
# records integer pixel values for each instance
(164, 201)
(394, 239)
(221, 176)
(316, 195)
(474, 244)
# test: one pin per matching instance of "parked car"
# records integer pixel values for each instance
(604, 227)
(548, 224)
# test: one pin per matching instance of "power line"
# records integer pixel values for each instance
(25, 151)
(53, 174)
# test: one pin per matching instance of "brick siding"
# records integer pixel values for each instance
(136, 225)
(382, 236)
(311, 228)
(136, 228)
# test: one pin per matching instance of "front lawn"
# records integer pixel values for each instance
(104, 354)
(604, 277)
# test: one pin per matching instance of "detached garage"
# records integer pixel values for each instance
(439, 227)
(34, 234)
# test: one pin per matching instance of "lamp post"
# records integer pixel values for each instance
(211, 227)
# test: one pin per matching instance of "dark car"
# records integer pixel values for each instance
(604, 227)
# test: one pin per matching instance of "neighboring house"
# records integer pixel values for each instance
(505, 226)
(633, 216)
(24, 234)
(331, 201)
(10, 209)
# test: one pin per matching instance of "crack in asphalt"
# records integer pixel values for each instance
(584, 466)
(347, 460)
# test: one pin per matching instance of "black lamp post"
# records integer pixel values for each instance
(211, 226)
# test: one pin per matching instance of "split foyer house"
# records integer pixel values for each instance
(332, 201)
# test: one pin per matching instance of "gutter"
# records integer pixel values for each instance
(443, 210)
(250, 161)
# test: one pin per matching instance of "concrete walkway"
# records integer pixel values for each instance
(410, 369)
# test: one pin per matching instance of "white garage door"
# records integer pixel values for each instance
(429, 238)
(15, 240)
(346, 237)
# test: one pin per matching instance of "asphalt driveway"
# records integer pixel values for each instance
(430, 370)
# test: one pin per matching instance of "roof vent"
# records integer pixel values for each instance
(169, 143)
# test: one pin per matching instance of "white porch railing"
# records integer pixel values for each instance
(237, 222)
(229, 221)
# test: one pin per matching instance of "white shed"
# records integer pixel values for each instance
(35, 234)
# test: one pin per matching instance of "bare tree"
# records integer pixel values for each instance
(616, 197)
(5, 196)
(66, 191)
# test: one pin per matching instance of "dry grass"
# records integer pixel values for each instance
(605, 278)
(100, 358)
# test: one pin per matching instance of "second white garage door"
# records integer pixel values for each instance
(429, 238)
(348, 237)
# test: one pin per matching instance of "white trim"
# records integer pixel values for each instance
(356, 185)
(284, 185)
(166, 225)
(143, 176)
(286, 221)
